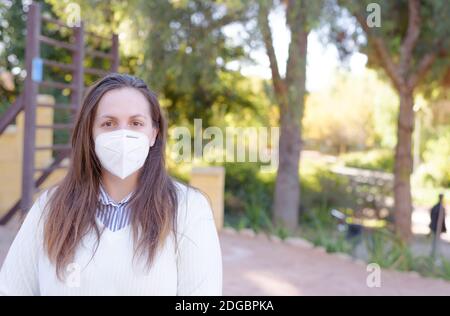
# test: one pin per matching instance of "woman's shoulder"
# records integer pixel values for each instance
(192, 202)
(42, 201)
(32, 224)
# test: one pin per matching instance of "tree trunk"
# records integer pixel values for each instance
(406, 74)
(287, 185)
(403, 165)
(287, 189)
(290, 93)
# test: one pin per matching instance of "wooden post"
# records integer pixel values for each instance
(115, 53)
(78, 74)
(211, 180)
(30, 94)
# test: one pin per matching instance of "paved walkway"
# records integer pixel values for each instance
(259, 266)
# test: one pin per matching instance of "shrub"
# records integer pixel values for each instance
(375, 159)
(248, 195)
(437, 160)
(322, 190)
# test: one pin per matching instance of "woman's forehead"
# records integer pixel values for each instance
(123, 102)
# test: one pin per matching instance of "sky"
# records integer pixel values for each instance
(322, 61)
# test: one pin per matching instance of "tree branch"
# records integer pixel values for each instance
(412, 35)
(424, 65)
(296, 20)
(263, 20)
(380, 47)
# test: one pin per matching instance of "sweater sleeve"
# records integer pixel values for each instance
(19, 273)
(199, 258)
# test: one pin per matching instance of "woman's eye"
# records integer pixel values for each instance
(137, 123)
(108, 124)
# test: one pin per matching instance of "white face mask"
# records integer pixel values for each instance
(122, 152)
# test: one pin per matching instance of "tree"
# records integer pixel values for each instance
(186, 56)
(290, 93)
(411, 48)
(12, 50)
(13, 16)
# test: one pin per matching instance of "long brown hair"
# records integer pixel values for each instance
(72, 205)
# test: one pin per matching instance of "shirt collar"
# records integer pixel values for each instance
(105, 199)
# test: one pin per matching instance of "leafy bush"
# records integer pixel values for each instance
(322, 190)
(437, 160)
(248, 195)
(319, 228)
(375, 159)
(388, 250)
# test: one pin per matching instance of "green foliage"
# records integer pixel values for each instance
(12, 49)
(322, 189)
(281, 232)
(375, 159)
(437, 159)
(319, 228)
(382, 246)
(389, 251)
(108, 17)
(186, 53)
(248, 196)
(394, 22)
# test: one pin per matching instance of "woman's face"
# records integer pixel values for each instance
(124, 108)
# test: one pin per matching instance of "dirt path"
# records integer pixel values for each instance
(259, 266)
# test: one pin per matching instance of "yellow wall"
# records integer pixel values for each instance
(11, 149)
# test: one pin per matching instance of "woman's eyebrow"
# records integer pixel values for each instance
(113, 117)
(138, 115)
(107, 116)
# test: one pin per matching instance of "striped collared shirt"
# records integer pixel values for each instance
(113, 215)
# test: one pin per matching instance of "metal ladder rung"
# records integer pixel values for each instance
(57, 85)
(56, 126)
(97, 53)
(95, 71)
(53, 42)
(67, 107)
(63, 66)
(58, 147)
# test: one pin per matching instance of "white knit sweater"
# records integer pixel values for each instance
(196, 269)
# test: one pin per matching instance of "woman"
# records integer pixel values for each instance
(117, 224)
